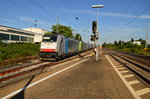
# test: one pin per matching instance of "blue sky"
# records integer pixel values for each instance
(118, 20)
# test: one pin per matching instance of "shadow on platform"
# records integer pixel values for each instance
(21, 94)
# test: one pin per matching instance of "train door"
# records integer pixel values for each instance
(63, 45)
(66, 45)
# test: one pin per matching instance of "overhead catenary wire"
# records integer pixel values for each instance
(50, 13)
(78, 17)
(6, 17)
(57, 6)
(131, 21)
(39, 5)
(18, 5)
(127, 8)
(136, 17)
(68, 5)
(44, 9)
(29, 11)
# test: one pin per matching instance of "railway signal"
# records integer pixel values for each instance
(94, 37)
(94, 27)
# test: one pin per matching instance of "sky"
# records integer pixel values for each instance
(117, 20)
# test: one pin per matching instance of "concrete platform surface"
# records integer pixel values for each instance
(87, 80)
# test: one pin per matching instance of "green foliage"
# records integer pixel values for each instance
(78, 37)
(115, 43)
(18, 50)
(132, 40)
(128, 47)
(104, 45)
(120, 42)
(63, 30)
(47, 33)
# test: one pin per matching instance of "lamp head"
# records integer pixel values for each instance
(97, 6)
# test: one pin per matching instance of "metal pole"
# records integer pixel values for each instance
(146, 45)
(97, 33)
(88, 31)
(57, 24)
(96, 41)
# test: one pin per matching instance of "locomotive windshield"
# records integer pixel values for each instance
(52, 38)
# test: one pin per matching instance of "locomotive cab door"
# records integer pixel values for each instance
(61, 45)
(62, 48)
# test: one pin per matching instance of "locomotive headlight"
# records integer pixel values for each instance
(54, 50)
(41, 49)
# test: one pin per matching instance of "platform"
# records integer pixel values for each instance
(87, 80)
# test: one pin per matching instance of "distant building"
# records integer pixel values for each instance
(9, 34)
(39, 33)
(137, 42)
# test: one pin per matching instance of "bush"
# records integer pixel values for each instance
(18, 50)
(128, 47)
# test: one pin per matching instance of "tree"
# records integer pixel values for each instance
(115, 43)
(78, 37)
(63, 30)
(132, 40)
(143, 42)
(120, 42)
(104, 45)
(47, 33)
(140, 39)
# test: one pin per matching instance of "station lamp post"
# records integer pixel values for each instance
(97, 33)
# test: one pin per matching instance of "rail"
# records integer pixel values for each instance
(17, 72)
(139, 73)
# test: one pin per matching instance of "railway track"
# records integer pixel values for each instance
(9, 70)
(142, 63)
(147, 58)
(145, 62)
(9, 74)
(13, 62)
(141, 71)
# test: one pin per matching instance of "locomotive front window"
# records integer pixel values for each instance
(50, 39)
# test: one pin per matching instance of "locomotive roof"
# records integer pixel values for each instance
(60, 35)
(51, 34)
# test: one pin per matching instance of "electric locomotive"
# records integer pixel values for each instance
(56, 47)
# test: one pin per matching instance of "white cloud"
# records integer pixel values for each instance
(26, 19)
(145, 16)
(107, 14)
(125, 29)
(117, 15)
(8, 20)
(125, 34)
(33, 21)
(40, 23)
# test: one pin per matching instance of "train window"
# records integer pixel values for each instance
(50, 39)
